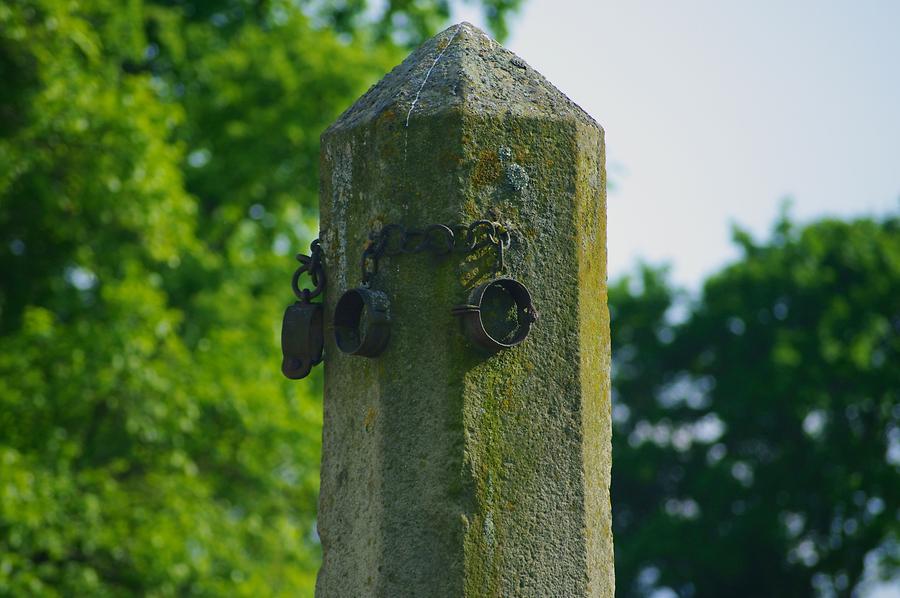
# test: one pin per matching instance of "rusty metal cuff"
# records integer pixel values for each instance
(470, 314)
(362, 322)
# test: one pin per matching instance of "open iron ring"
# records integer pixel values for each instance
(448, 241)
(473, 322)
(472, 234)
(460, 237)
(362, 322)
(316, 275)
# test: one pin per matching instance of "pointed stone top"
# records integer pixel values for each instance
(461, 68)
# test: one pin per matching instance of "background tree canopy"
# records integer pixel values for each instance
(756, 441)
(157, 172)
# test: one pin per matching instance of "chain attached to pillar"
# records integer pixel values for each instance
(302, 328)
(362, 316)
(438, 239)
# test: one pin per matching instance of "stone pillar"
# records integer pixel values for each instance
(447, 471)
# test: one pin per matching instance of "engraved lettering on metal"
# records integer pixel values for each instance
(499, 314)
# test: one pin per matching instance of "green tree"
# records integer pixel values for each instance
(757, 429)
(157, 170)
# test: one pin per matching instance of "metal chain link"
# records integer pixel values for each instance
(438, 239)
(311, 265)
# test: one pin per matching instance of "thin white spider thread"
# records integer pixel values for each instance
(428, 74)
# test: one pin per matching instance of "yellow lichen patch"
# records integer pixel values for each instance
(369, 421)
(520, 153)
(487, 169)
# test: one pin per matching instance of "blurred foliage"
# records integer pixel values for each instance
(757, 429)
(157, 170)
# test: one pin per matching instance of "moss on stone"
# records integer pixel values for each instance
(471, 474)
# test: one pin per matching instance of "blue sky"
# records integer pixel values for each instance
(715, 112)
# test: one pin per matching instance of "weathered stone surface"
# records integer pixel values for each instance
(446, 472)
